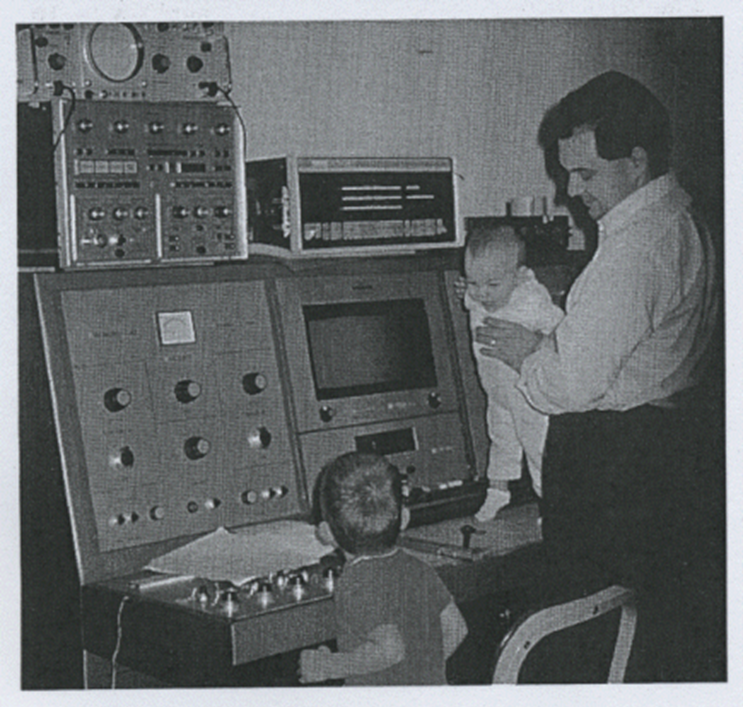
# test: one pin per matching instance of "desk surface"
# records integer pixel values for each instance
(160, 636)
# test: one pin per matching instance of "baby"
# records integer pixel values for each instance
(499, 285)
(396, 621)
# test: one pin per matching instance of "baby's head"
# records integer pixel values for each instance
(361, 503)
(492, 257)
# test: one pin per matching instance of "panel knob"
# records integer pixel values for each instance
(190, 128)
(57, 61)
(259, 439)
(196, 447)
(96, 213)
(141, 213)
(156, 127)
(222, 129)
(326, 414)
(434, 400)
(180, 212)
(121, 126)
(161, 63)
(249, 497)
(124, 458)
(187, 391)
(223, 211)
(200, 211)
(84, 125)
(120, 213)
(254, 382)
(116, 399)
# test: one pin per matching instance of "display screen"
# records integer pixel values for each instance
(361, 348)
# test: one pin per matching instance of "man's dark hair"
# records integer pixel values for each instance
(361, 500)
(622, 113)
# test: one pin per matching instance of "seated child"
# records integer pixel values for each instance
(397, 622)
(499, 285)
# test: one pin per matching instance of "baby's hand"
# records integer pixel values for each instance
(314, 665)
(460, 286)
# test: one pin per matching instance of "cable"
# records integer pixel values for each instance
(58, 89)
(119, 632)
(214, 87)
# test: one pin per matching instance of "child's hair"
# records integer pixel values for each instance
(360, 497)
(486, 235)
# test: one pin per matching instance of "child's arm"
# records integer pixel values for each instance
(384, 648)
(453, 627)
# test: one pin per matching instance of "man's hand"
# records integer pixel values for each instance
(314, 665)
(506, 341)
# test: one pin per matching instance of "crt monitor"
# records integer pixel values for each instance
(368, 347)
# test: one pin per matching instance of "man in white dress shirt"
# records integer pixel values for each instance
(627, 496)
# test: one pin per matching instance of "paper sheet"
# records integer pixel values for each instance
(243, 555)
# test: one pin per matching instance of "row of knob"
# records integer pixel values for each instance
(98, 213)
(263, 592)
(187, 128)
(157, 513)
(195, 448)
(186, 391)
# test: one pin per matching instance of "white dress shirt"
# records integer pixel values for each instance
(638, 317)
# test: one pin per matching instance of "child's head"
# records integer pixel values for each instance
(361, 502)
(492, 257)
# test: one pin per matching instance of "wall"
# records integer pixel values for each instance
(472, 89)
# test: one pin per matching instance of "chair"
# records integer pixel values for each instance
(525, 634)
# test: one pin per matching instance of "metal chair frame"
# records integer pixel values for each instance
(525, 634)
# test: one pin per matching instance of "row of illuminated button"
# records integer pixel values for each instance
(102, 166)
(122, 126)
(158, 512)
(185, 391)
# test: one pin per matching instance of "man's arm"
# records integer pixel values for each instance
(453, 627)
(384, 648)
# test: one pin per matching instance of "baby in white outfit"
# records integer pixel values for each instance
(499, 285)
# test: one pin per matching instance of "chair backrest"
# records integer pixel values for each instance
(522, 638)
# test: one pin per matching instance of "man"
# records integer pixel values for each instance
(627, 496)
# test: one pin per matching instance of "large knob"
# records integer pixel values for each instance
(222, 129)
(196, 447)
(116, 399)
(190, 128)
(96, 213)
(259, 439)
(84, 125)
(200, 211)
(161, 63)
(121, 126)
(223, 211)
(57, 61)
(187, 391)
(156, 127)
(254, 383)
(120, 213)
(124, 458)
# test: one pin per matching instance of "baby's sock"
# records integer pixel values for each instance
(494, 502)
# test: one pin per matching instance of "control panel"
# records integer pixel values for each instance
(161, 61)
(148, 184)
(181, 410)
